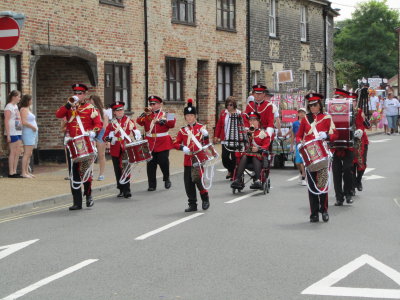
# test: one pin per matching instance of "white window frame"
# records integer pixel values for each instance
(255, 76)
(272, 18)
(303, 23)
(304, 79)
(318, 81)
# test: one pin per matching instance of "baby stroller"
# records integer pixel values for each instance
(264, 174)
(281, 150)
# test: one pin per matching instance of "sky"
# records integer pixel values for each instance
(347, 7)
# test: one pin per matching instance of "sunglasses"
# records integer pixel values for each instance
(314, 104)
(78, 93)
(230, 104)
(153, 103)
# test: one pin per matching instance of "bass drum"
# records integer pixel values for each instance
(342, 114)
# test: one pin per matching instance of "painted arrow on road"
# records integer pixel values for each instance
(371, 177)
(10, 249)
(380, 141)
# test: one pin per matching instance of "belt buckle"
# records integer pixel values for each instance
(154, 135)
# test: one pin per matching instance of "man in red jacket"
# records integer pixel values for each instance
(82, 118)
(190, 139)
(156, 124)
(118, 133)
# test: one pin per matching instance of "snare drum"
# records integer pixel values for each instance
(315, 155)
(207, 153)
(138, 151)
(341, 111)
(80, 148)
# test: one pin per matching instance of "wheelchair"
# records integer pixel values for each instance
(264, 174)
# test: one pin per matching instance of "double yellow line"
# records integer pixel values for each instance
(46, 210)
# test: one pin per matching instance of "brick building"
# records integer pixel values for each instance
(398, 73)
(196, 49)
(294, 35)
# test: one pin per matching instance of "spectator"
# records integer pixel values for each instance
(301, 112)
(101, 146)
(391, 108)
(29, 133)
(13, 131)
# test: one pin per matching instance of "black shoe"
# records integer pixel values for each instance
(120, 195)
(228, 176)
(167, 184)
(256, 185)
(206, 201)
(127, 195)
(353, 192)
(89, 201)
(236, 184)
(151, 189)
(359, 187)
(348, 199)
(314, 219)
(75, 207)
(325, 217)
(339, 203)
(191, 208)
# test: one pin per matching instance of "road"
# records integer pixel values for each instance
(259, 247)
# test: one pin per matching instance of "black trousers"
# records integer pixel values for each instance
(342, 168)
(117, 163)
(87, 186)
(192, 179)
(244, 161)
(228, 159)
(161, 159)
(357, 175)
(318, 203)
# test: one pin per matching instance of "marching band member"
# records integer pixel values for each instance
(263, 107)
(259, 144)
(316, 122)
(342, 166)
(222, 133)
(361, 145)
(190, 139)
(156, 124)
(117, 131)
(81, 117)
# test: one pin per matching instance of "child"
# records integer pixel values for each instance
(190, 139)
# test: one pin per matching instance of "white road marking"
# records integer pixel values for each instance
(9, 249)
(243, 197)
(8, 33)
(146, 235)
(371, 177)
(325, 285)
(293, 178)
(397, 202)
(367, 170)
(380, 141)
(221, 170)
(49, 279)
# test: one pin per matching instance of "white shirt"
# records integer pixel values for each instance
(14, 123)
(391, 107)
(372, 102)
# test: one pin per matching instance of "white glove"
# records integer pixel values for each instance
(358, 134)
(66, 140)
(92, 135)
(76, 99)
(299, 145)
(204, 131)
(186, 150)
(322, 135)
(138, 135)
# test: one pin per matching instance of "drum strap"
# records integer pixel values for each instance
(192, 136)
(78, 119)
(153, 122)
(122, 131)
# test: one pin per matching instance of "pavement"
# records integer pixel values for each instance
(49, 188)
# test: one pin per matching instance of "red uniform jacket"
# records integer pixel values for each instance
(88, 114)
(127, 125)
(259, 139)
(157, 133)
(220, 127)
(324, 123)
(360, 125)
(265, 110)
(183, 139)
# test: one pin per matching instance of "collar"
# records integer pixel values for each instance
(192, 125)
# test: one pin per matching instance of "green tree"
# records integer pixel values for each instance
(368, 42)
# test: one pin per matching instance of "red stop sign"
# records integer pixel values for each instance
(9, 33)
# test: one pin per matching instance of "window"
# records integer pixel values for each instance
(303, 23)
(255, 77)
(224, 81)
(117, 83)
(173, 87)
(112, 2)
(304, 80)
(183, 11)
(318, 83)
(9, 76)
(226, 14)
(272, 18)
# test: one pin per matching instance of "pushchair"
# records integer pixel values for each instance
(281, 150)
(264, 174)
